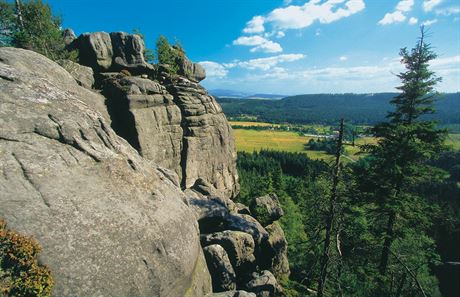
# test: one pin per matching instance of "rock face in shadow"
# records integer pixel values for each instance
(111, 223)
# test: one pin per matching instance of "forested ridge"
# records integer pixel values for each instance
(361, 109)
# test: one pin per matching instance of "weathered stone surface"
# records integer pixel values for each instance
(233, 294)
(179, 127)
(267, 209)
(246, 224)
(264, 284)
(193, 71)
(238, 245)
(128, 53)
(239, 208)
(208, 144)
(69, 38)
(145, 114)
(274, 255)
(95, 50)
(110, 222)
(223, 275)
(82, 74)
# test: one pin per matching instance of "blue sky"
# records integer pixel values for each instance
(287, 47)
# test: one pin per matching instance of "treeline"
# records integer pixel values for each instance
(328, 109)
(303, 184)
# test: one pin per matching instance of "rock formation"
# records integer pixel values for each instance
(125, 172)
(110, 222)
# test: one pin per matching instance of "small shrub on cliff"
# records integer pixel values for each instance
(168, 54)
(20, 272)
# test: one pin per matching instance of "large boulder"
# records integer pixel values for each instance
(274, 257)
(95, 50)
(247, 224)
(238, 245)
(128, 52)
(264, 284)
(223, 275)
(267, 209)
(193, 71)
(69, 38)
(110, 222)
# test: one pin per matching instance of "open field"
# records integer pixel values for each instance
(252, 140)
(251, 124)
(454, 141)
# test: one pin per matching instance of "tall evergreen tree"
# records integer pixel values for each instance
(398, 162)
(32, 25)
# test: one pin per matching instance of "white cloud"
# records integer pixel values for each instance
(269, 62)
(214, 70)
(298, 17)
(428, 5)
(394, 17)
(453, 61)
(448, 11)
(405, 5)
(357, 79)
(256, 25)
(429, 22)
(267, 47)
(318, 32)
(259, 44)
(398, 15)
(280, 34)
(343, 58)
(287, 2)
(413, 21)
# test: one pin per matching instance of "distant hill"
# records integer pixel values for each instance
(329, 108)
(243, 95)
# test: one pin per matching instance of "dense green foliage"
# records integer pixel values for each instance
(328, 145)
(37, 30)
(20, 273)
(168, 54)
(393, 206)
(328, 109)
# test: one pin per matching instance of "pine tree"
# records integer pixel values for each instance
(32, 25)
(398, 162)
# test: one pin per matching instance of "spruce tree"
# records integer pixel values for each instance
(397, 163)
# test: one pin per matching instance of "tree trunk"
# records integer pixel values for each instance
(330, 216)
(19, 13)
(389, 233)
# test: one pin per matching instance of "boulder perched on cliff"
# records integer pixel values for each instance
(267, 209)
(110, 222)
(95, 50)
(193, 71)
(128, 53)
(223, 275)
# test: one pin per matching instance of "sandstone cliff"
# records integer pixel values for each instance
(124, 173)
